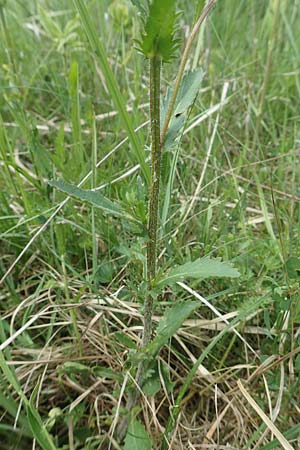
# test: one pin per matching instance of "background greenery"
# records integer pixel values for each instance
(80, 278)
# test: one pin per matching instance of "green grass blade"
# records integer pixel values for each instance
(112, 85)
(9, 404)
(37, 426)
(35, 421)
(292, 433)
(77, 159)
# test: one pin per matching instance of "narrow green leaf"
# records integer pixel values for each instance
(187, 93)
(38, 429)
(93, 197)
(11, 377)
(199, 9)
(137, 437)
(112, 85)
(36, 424)
(76, 160)
(199, 269)
(169, 325)
(8, 403)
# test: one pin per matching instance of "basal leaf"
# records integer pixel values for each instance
(137, 437)
(199, 269)
(93, 197)
(188, 91)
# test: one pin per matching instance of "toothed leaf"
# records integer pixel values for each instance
(199, 269)
(158, 38)
(169, 325)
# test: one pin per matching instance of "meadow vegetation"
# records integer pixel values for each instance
(198, 345)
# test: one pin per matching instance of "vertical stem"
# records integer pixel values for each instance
(155, 69)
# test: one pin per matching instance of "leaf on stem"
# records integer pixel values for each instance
(199, 269)
(187, 93)
(93, 197)
(170, 324)
(158, 38)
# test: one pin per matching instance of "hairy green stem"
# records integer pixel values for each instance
(157, 140)
(155, 69)
(153, 213)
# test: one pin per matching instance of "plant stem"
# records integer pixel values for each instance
(155, 73)
(155, 70)
(157, 141)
